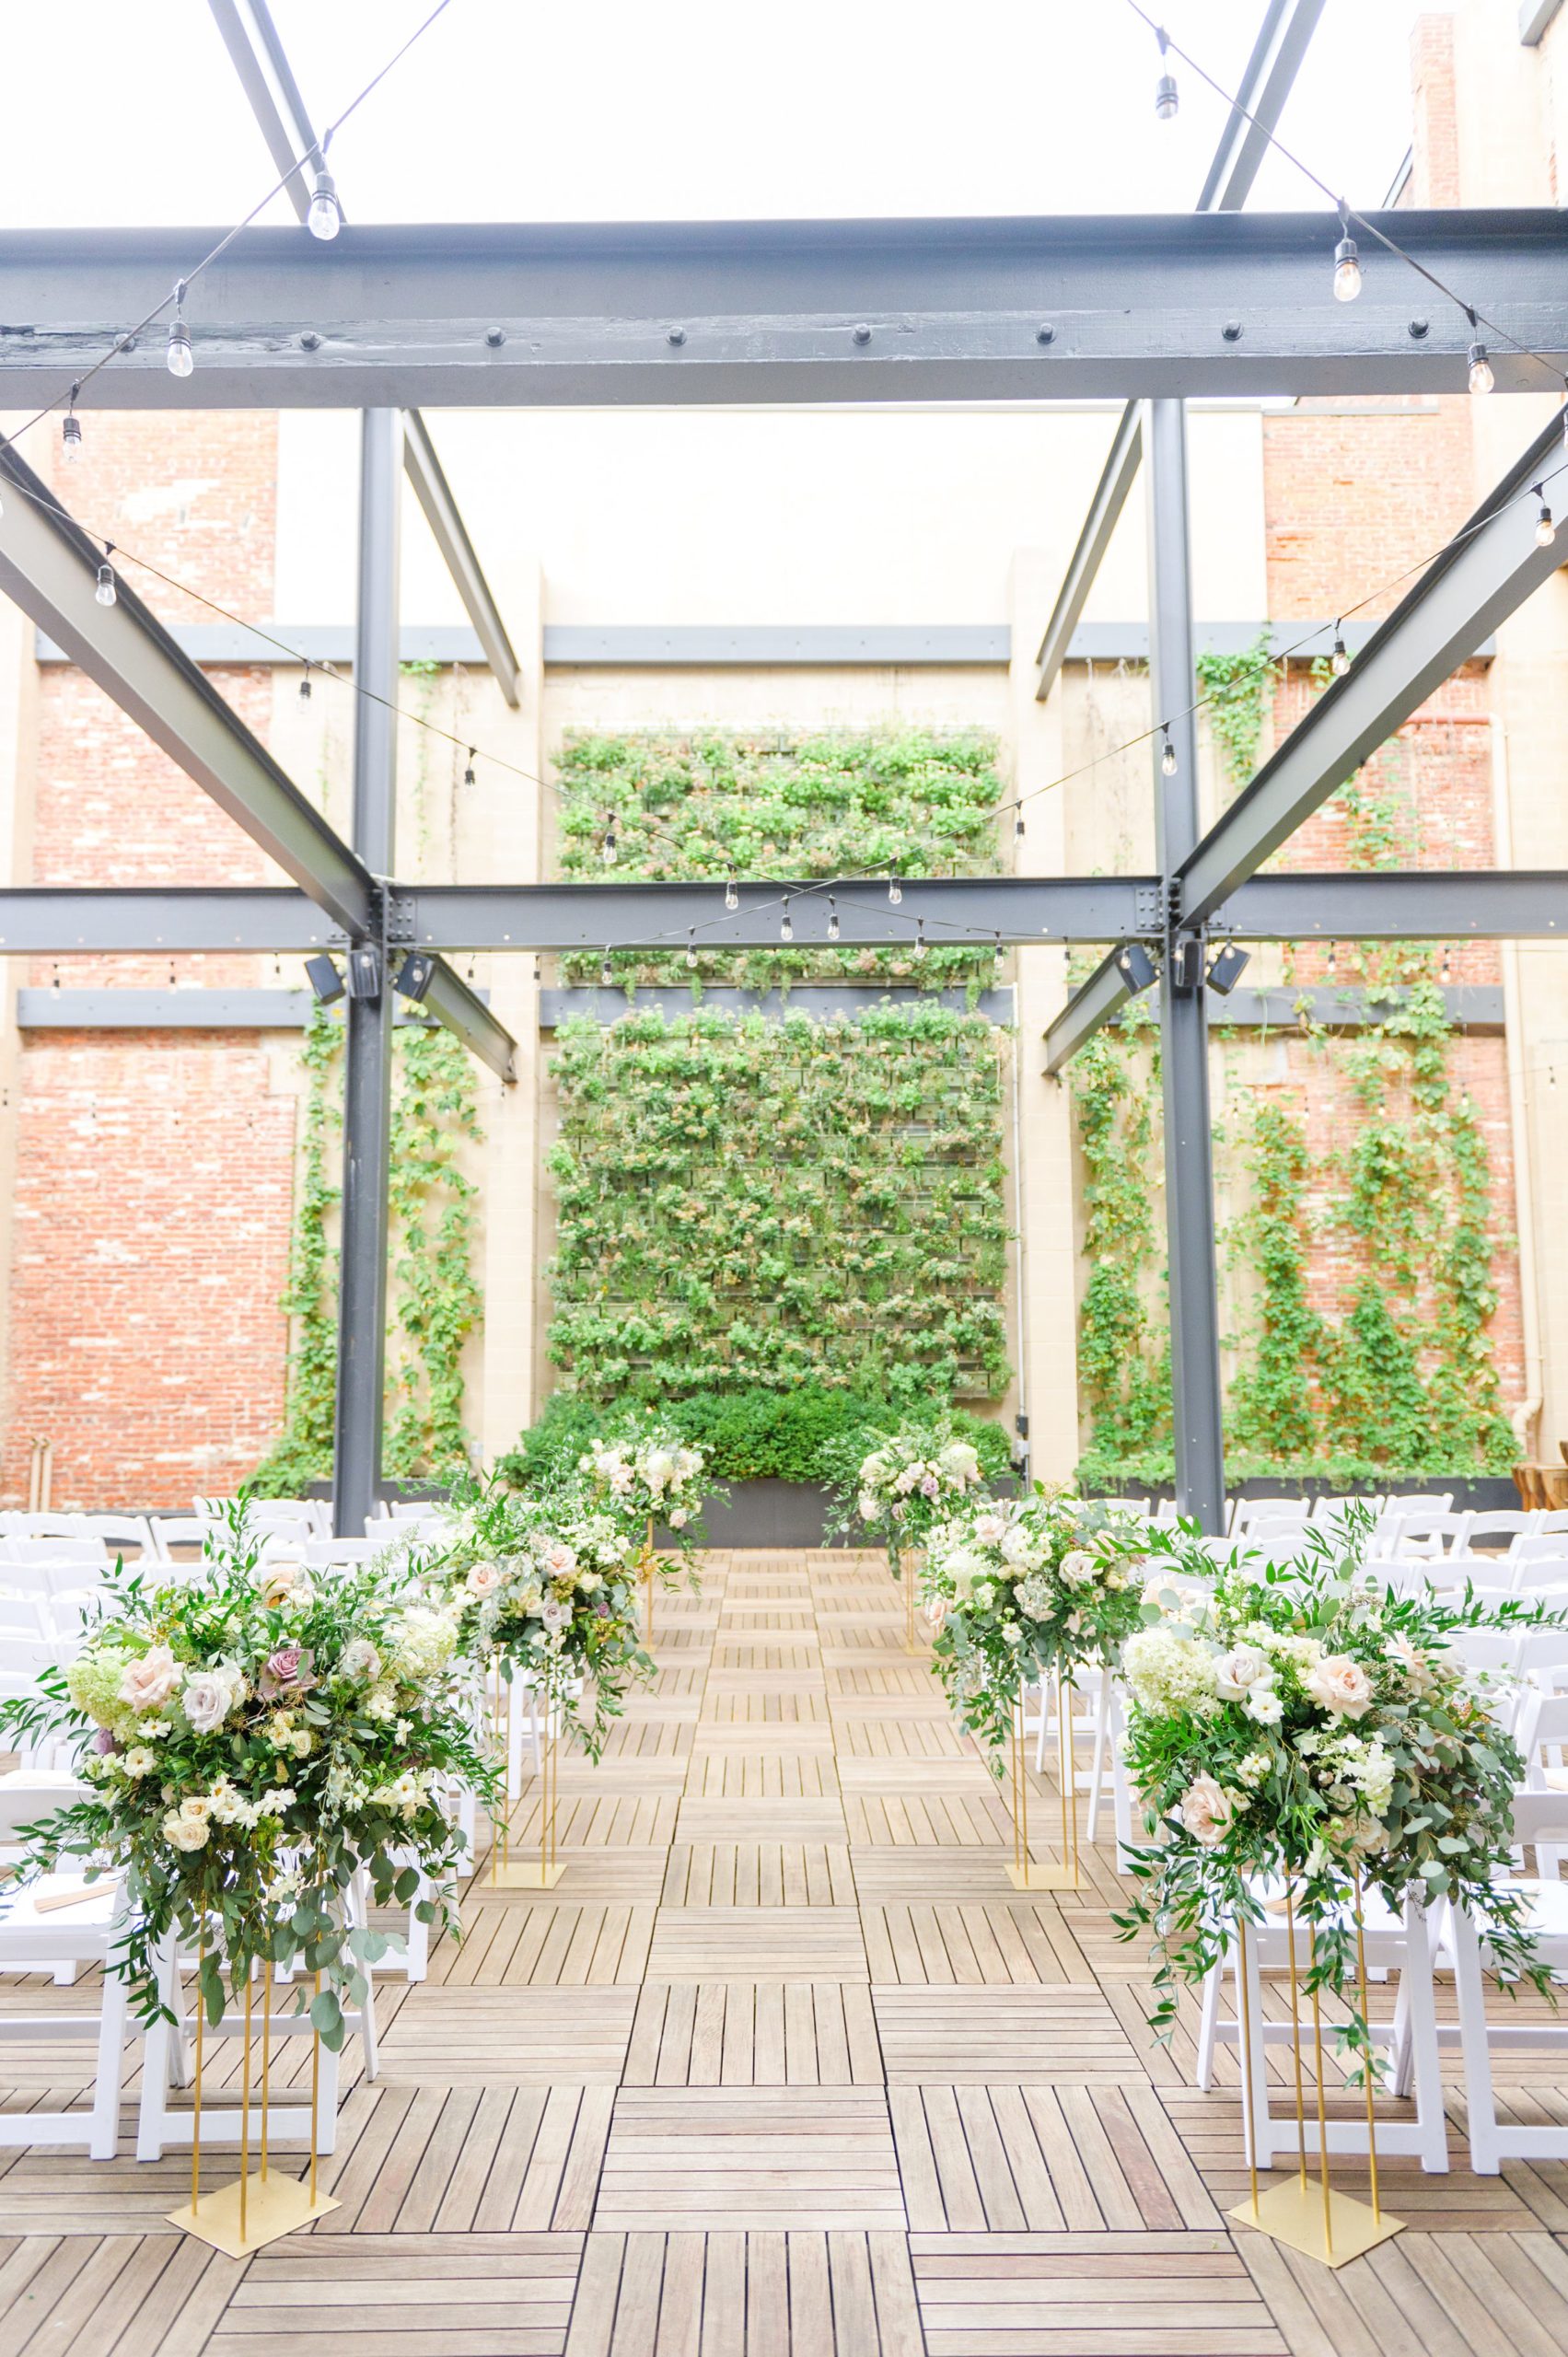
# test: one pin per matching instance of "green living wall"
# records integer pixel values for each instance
(804, 1203)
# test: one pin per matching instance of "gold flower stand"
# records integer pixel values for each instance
(526, 1874)
(1026, 1873)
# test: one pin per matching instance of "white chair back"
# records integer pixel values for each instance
(1331, 1509)
(1430, 1535)
(187, 1532)
(320, 1554)
(83, 1553)
(43, 1526)
(1420, 1501)
(120, 1532)
(24, 1799)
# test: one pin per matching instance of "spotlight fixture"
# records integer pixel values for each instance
(1187, 962)
(1135, 966)
(365, 975)
(325, 217)
(415, 975)
(1228, 968)
(1481, 380)
(181, 359)
(321, 973)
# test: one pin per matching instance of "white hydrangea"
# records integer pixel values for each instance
(1167, 1671)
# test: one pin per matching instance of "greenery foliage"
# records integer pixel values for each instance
(435, 1300)
(910, 801)
(1237, 688)
(744, 1202)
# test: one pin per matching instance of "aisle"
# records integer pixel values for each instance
(783, 2068)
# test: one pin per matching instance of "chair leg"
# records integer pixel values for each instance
(112, 2024)
(1208, 2024)
(1426, 2067)
(1098, 1755)
(368, 2036)
(1486, 2158)
(152, 2112)
(418, 1949)
(1256, 2121)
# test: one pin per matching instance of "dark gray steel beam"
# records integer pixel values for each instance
(251, 40)
(464, 1013)
(367, 1078)
(1095, 1001)
(1487, 571)
(435, 496)
(1136, 304)
(1196, 1406)
(1476, 1006)
(1454, 904)
(63, 921)
(658, 916)
(1287, 28)
(48, 567)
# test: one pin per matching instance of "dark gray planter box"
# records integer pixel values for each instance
(769, 1514)
(1484, 1492)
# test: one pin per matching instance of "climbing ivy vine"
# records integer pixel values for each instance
(435, 1300)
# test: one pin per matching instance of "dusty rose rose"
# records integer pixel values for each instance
(1206, 1809)
(103, 1743)
(288, 1671)
(1339, 1685)
(148, 1683)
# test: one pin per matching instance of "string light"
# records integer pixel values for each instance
(895, 892)
(786, 927)
(920, 938)
(606, 976)
(325, 217)
(1167, 97)
(1546, 531)
(690, 945)
(1167, 752)
(731, 897)
(832, 919)
(106, 593)
(1017, 822)
(1481, 380)
(71, 432)
(1338, 662)
(181, 359)
(607, 848)
(468, 772)
(304, 686)
(1347, 265)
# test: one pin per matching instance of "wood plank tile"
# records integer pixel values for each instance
(819, 2158)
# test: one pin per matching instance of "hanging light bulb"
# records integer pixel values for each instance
(304, 686)
(607, 848)
(786, 929)
(1347, 265)
(71, 432)
(181, 359)
(690, 945)
(106, 593)
(1339, 661)
(1168, 756)
(467, 771)
(895, 892)
(731, 897)
(606, 978)
(1017, 822)
(1546, 531)
(1166, 96)
(832, 919)
(920, 938)
(325, 217)
(1481, 378)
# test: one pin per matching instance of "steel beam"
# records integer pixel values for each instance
(462, 1012)
(367, 1080)
(50, 568)
(493, 314)
(658, 916)
(251, 40)
(1453, 904)
(65, 921)
(441, 513)
(1486, 570)
(1287, 28)
(1095, 1001)
(1196, 1414)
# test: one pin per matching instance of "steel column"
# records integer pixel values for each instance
(1184, 1023)
(367, 1088)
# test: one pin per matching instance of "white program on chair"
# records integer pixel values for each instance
(1393, 1942)
(1541, 1821)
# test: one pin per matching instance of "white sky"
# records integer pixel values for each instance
(619, 110)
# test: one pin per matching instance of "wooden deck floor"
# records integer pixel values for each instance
(783, 2068)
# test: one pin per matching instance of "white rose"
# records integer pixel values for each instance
(284, 1583)
(1341, 1685)
(185, 1832)
(1240, 1669)
(1206, 1809)
(149, 1682)
(210, 1695)
(360, 1660)
(678, 1518)
(868, 1506)
(1078, 1567)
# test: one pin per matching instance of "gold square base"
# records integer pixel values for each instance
(274, 2206)
(1037, 1877)
(1293, 2213)
(528, 1874)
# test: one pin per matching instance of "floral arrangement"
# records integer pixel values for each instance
(653, 1477)
(1017, 1589)
(1308, 1722)
(547, 1584)
(917, 1477)
(253, 1740)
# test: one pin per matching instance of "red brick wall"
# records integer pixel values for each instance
(155, 1173)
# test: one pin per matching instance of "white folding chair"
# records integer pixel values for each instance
(186, 1532)
(1325, 1509)
(119, 1531)
(321, 1554)
(61, 1921)
(1541, 1821)
(1432, 1536)
(83, 1553)
(43, 1526)
(1420, 1501)
(1392, 1943)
